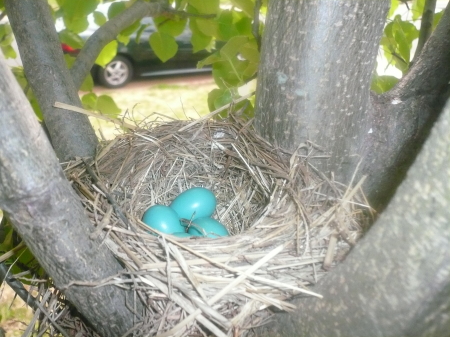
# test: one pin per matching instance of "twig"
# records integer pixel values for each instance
(108, 196)
(426, 26)
(17, 287)
(255, 24)
(93, 114)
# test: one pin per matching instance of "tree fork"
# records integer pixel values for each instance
(396, 281)
(46, 71)
(48, 215)
(316, 93)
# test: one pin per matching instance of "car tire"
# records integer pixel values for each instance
(116, 73)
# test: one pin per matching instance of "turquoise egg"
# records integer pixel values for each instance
(207, 227)
(162, 218)
(194, 203)
(182, 235)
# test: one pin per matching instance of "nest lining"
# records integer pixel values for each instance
(288, 224)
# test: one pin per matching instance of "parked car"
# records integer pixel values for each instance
(138, 59)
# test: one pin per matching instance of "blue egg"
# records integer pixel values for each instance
(207, 227)
(163, 218)
(194, 203)
(182, 235)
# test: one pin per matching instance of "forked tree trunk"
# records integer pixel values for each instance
(317, 62)
(48, 215)
(314, 86)
(47, 74)
(396, 281)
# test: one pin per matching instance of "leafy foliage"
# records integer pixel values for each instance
(398, 41)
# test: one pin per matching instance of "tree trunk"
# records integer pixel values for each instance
(317, 61)
(396, 281)
(46, 212)
(405, 115)
(46, 71)
(317, 91)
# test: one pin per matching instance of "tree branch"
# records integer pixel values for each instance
(45, 211)
(17, 286)
(404, 116)
(426, 26)
(108, 32)
(396, 281)
(71, 133)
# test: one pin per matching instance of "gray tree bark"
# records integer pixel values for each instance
(317, 62)
(108, 32)
(46, 71)
(396, 281)
(314, 86)
(404, 116)
(46, 212)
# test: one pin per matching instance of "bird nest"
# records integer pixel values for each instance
(288, 225)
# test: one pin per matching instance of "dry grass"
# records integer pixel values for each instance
(289, 225)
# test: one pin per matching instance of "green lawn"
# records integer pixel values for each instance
(14, 314)
(183, 98)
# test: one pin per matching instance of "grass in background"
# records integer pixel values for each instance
(14, 314)
(164, 99)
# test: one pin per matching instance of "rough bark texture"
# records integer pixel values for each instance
(108, 32)
(48, 215)
(71, 133)
(404, 116)
(314, 85)
(314, 80)
(396, 282)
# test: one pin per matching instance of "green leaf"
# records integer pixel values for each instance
(244, 26)
(75, 14)
(215, 57)
(107, 54)
(233, 46)
(227, 74)
(205, 6)
(88, 83)
(250, 51)
(71, 39)
(247, 6)
(99, 18)
(207, 26)
(131, 28)
(6, 36)
(417, 9)
(164, 45)
(251, 69)
(69, 60)
(226, 27)
(89, 101)
(213, 95)
(200, 41)
(9, 52)
(225, 98)
(107, 106)
(124, 39)
(437, 18)
(116, 8)
(402, 46)
(170, 27)
(394, 6)
(383, 83)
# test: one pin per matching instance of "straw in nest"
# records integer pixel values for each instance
(288, 224)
